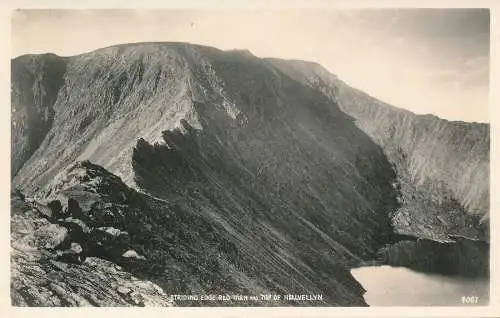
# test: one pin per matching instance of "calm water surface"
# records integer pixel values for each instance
(399, 286)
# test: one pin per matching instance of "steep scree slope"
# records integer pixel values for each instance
(249, 156)
(442, 166)
(192, 247)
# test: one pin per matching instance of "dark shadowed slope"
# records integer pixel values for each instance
(442, 166)
(35, 81)
(227, 172)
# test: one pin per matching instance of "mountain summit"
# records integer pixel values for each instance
(204, 171)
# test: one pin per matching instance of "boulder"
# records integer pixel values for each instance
(133, 254)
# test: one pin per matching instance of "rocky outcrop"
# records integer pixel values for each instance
(43, 273)
(463, 257)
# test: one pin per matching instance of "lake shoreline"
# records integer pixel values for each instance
(460, 267)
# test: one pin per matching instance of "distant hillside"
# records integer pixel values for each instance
(442, 166)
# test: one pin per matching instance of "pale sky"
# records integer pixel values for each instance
(425, 60)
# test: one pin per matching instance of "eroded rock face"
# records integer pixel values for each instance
(41, 277)
(463, 257)
(94, 282)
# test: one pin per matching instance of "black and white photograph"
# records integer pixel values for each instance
(250, 157)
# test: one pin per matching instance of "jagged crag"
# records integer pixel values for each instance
(146, 170)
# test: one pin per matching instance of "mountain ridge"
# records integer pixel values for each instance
(261, 159)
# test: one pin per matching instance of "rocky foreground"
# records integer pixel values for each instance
(158, 169)
(49, 267)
